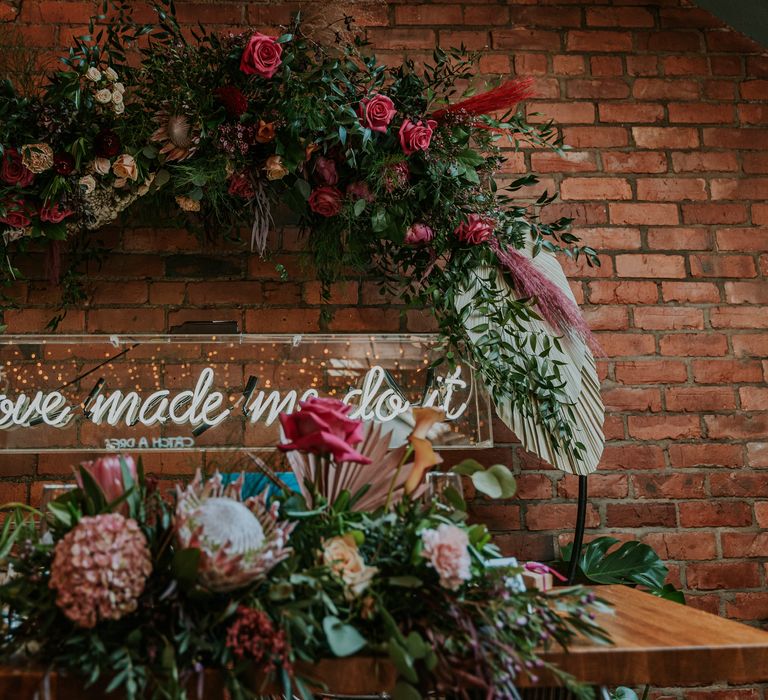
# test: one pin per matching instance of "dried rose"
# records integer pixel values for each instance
(125, 167)
(266, 132)
(275, 168)
(38, 157)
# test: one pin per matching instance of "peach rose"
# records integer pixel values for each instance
(447, 549)
(275, 168)
(125, 167)
(341, 555)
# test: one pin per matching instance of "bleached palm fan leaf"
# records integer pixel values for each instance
(570, 359)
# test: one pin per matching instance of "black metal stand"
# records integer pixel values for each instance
(578, 538)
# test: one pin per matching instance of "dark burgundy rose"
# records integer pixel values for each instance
(107, 144)
(13, 171)
(16, 213)
(235, 103)
(63, 164)
(326, 201)
(325, 169)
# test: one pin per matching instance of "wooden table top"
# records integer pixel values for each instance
(664, 643)
(656, 641)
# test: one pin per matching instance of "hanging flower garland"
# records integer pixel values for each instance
(389, 170)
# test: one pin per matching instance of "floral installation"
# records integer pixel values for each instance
(151, 592)
(386, 167)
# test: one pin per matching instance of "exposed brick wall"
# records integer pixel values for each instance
(666, 112)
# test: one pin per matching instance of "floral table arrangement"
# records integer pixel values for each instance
(143, 591)
(388, 170)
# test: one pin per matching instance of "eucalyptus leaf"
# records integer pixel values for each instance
(343, 639)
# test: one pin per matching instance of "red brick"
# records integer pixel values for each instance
(690, 292)
(632, 456)
(632, 399)
(665, 137)
(743, 188)
(561, 112)
(633, 112)
(566, 162)
(664, 189)
(700, 113)
(705, 455)
(704, 162)
(757, 454)
(619, 17)
(474, 39)
(598, 41)
(670, 41)
(613, 238)
(420, 38)
(568, 65)
(726, 65)
(606, 66)
(693, 344)
(700, 398)
(747, 139)
(600, 486)
(750, 345)
(554, 516)
(748, 606)
(746, 292)
(650, 372)
(282, 321)
(607, 318)
(524, 38)
(715, 514)
(668, 318)
(482, 15)
(611, 292)
(719, 575)
(595, 188)
(598, 88)
(634, 162)
(653, 266)
(669, 426)
(661, 89)
(738, 317)
(430, 14)
(714, 213)
(754, 89)
(755, 162)
(754, 398)
(684, 65)
(742, 239)
(627, 344)
(723, 266)
(682, 545)
(726, 371)
(595, 136)
(642, 65)
(739, 426)
(753, 114)
(745, 544)
(640, 515)
(674, 485)
(729, 40)
(538, 16)
(667, 238)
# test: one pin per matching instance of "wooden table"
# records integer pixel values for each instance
(664, 643)
(655, 641)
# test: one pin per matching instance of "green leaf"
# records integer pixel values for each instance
(417, 647)
(669, 592)
(405, 581)
(185, 565)
(496, 482)
(343, 639)
(468, 467)
(402, 661)
(359, 207)
(623, 693)
(303, 187)
(405, 691)
(162, 178)
(631, 563)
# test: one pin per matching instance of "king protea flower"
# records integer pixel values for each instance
(239, 541)
(179, 138)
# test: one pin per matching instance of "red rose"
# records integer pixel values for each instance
(325, 201)
(261, 56)
(322, 427)
(241, 185)
(63, 164)
(359, 190)
(15, 214)
(376, 112)
(416, 136)
(107, 144)
(13, 171)
(325, 169)
(54, 213)
(235, 103)
(475, 230)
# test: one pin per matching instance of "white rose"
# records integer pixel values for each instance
(119, 108)
(119, 87)
(110, 74)
(102, 166)
(93, 74)
(87, 183)
(103, 96)
(117, 97)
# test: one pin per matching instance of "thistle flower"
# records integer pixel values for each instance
(100, 568)
(239, 541)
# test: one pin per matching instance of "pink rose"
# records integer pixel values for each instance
(107, 472)
(54, 213)
(376, 112)
(321, 426)
(325, 201)
(418, 234)
(416, 136)
(16, 214)
(325, 169)
(13, 171)
(447, 550)
(261, 56)
(475, 230)
(359, 190)
(240, 185)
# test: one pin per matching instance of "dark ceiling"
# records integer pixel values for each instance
(750, 17)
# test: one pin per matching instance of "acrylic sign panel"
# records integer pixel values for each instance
(90, 394)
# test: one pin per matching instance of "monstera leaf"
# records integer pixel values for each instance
(632, 563)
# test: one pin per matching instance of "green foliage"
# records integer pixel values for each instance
(496, 481)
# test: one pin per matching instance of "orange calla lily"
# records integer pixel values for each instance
(424, 458)
(425, 418)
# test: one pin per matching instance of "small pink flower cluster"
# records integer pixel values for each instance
(253, 636)
(100, 568)
(447, 549)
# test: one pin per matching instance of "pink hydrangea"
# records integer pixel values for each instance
(100, 568)
(447, 549)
